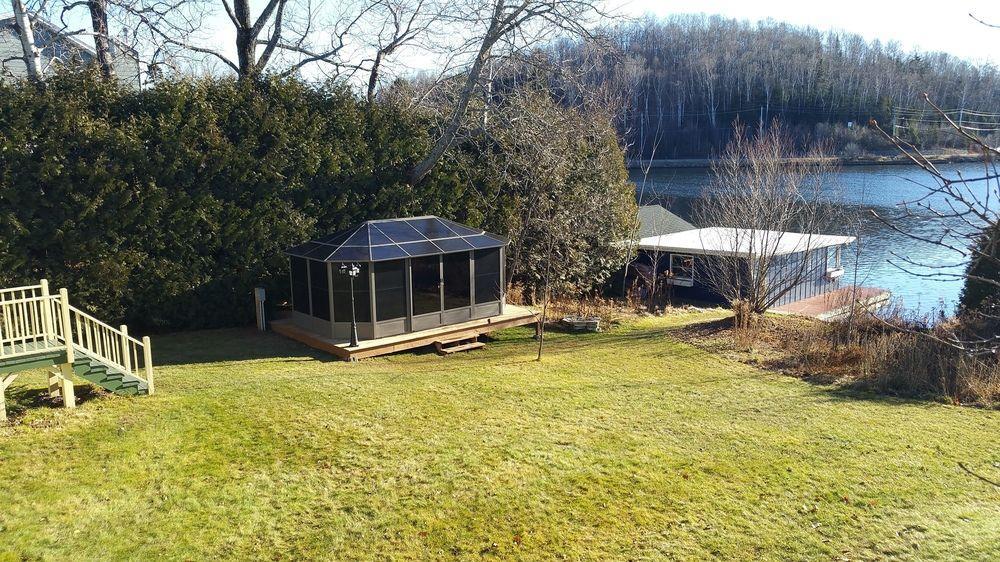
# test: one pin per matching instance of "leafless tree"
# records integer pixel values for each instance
(968, 212)
(403, 23)
(757, 195)
(495, 28)
(563, 196)
(102, 39)
(698, 73)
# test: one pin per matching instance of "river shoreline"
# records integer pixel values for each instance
(895, 160)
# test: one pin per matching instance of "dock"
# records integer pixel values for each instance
(838, 303)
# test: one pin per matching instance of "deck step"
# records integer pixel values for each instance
(454, 345)
(108, 376)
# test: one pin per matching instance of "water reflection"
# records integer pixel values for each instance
(860, 190)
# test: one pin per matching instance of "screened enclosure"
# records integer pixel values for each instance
(414, 274)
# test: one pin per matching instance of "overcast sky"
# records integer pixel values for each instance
(945, 27)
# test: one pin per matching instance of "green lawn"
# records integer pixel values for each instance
(625, 444)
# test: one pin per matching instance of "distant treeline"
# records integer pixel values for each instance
(687, 78)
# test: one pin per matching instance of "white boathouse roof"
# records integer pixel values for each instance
(740, 242)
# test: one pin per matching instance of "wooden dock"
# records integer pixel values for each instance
(512, 316)
(832, 305)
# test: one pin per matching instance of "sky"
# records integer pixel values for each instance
(914, 24)
(947, 27)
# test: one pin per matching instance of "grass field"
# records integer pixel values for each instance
(621, 445)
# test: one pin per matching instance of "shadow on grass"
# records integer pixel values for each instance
(20, 399)
(230, 344)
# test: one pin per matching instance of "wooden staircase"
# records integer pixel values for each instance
(39, 330)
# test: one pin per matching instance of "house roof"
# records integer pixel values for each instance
(49, 33)
(53, 32)
(392, 239)
(740, 242)
(655, 220)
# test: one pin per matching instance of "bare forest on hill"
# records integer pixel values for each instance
(689, 78)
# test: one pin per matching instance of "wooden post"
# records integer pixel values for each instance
(147, 359)
(67, 330)
(55, 384)
(46, 313)
(68, 394)
(124, 330)
(4, 383)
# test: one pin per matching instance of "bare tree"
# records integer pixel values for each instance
(403, 22)
(562, 196)
(967, 210)
(102, 39)
(501, 27)
(757, 196)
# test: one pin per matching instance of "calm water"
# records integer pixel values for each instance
(858, 189)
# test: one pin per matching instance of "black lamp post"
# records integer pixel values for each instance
(352, 271)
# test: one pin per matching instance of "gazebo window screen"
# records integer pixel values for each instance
(426, 274)
(456, 280)
(487, 275)
(390, 290)
(342, 295)
(319, 290)
(300, 285)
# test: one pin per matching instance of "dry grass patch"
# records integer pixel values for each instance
(871, 355)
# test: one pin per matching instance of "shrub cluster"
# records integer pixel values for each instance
(164, 207)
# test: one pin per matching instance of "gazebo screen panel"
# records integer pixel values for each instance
(457, 285)
(342, 295)
(300, 284)
(487, 275)
(319, 290)
(390, 290)
(425, 273)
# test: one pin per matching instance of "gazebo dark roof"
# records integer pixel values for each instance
(393, 239)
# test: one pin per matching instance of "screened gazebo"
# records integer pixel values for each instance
(415, 274)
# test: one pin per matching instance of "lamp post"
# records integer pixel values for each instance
(352, 270)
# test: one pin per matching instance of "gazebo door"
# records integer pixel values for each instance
(425, 275)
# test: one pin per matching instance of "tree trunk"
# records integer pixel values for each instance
(246, 40)
(102, 43)
(545, 296)
(420, 171)
(373, 78)
(32, 58)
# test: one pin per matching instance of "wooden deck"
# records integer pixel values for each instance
(512, 316)
(837, 303)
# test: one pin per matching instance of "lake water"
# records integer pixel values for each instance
(858, 189)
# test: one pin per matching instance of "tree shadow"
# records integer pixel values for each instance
(21, 399)
(230, 344)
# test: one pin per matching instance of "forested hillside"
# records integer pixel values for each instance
(690, 77)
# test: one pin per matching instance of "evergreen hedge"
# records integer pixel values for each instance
(163, 208)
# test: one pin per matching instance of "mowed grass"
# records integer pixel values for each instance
(621, 445)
